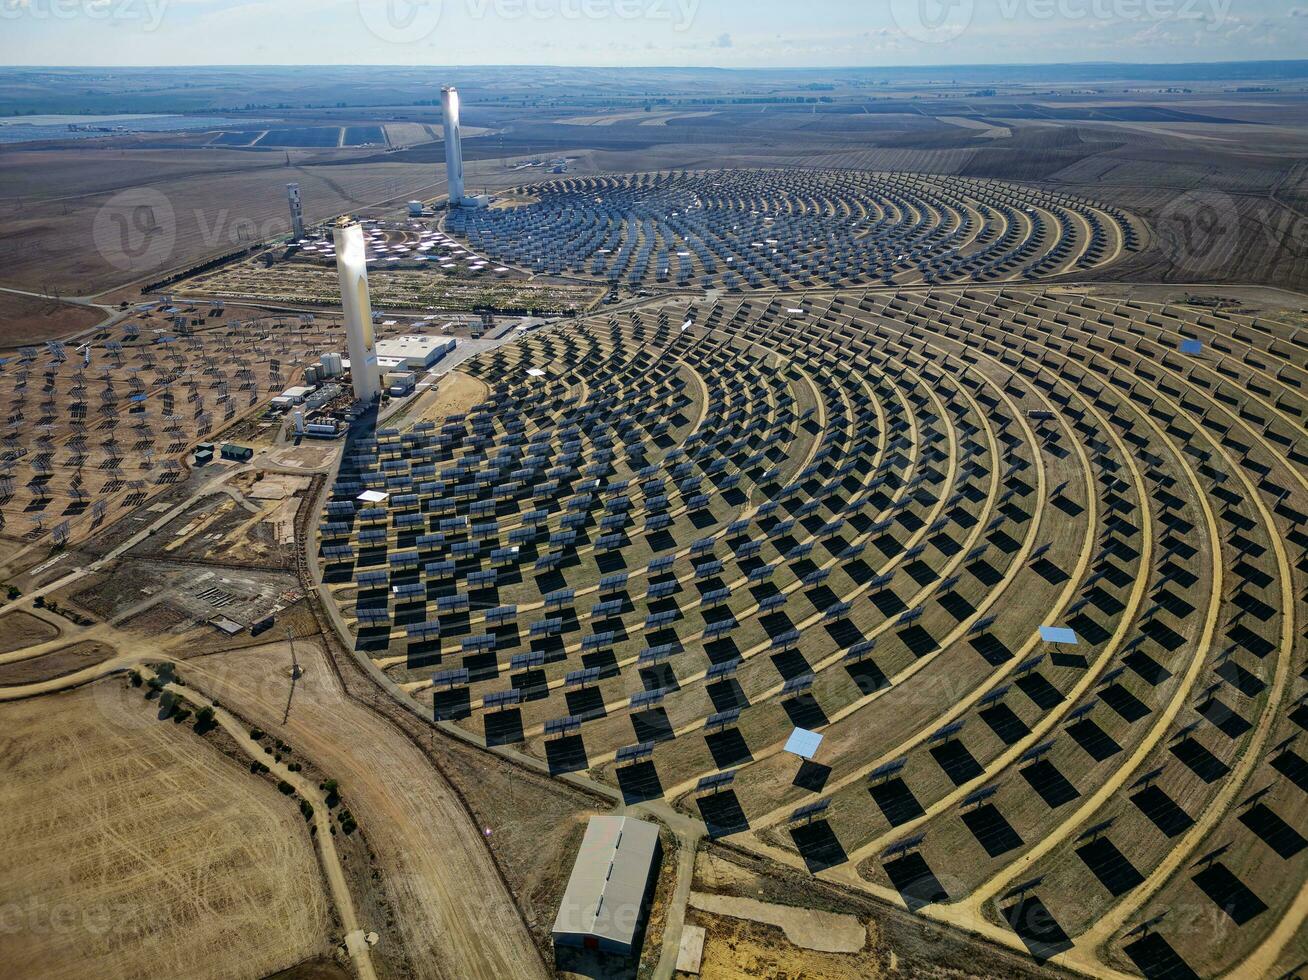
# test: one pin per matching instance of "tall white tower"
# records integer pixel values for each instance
(352, 265)
(297, 212)
(453, 146)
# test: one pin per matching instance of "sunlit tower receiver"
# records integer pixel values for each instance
(352, 266)
(297, 210)
(453, 145)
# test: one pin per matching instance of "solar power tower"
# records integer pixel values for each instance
(453, 146)
(297, 211)
(352, 266)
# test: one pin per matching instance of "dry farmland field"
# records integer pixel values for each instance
(33, 320)
(137, 850)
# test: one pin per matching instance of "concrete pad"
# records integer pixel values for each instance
(691, 950)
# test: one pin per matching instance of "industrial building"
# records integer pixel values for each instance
(412, 352)
(292, 396)
(611, 884)
(238, 454)
(400, 383)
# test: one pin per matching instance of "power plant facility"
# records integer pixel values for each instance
(352, 266)
(297, 210)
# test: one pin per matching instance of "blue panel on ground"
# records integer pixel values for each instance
(803, 743)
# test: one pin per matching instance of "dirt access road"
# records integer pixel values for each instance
(458, 917)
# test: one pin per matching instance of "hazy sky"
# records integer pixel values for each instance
(726, 33)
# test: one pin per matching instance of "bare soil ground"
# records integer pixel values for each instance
(458, 917)
(19, 630)
(453, 394)
(536, 823)
(318, 969)
(32, 320)
(899, 944)
(135, 850)
(56, 664)
(818, 931)
(737, 949)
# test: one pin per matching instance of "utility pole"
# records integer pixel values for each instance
(296, 673)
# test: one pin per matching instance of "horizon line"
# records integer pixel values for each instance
(631, 68)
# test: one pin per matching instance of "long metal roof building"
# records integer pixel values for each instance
(603, 903)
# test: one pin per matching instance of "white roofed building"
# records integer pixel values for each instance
(415, 352)
(611, 882)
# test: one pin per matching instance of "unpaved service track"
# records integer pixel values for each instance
(457, 919)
